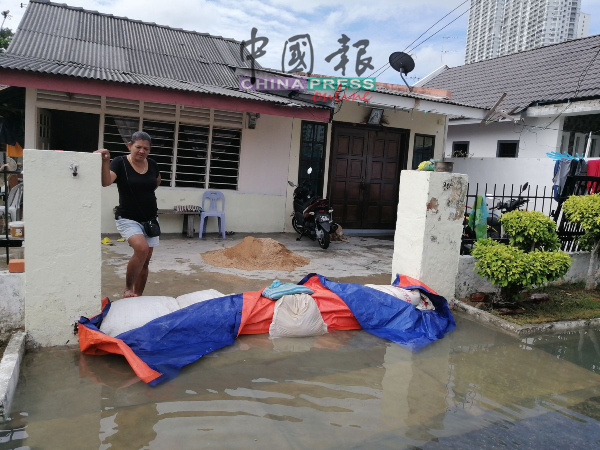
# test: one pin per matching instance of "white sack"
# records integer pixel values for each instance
(196, 297)
(296, 316)
(410, 296)
(134, 312)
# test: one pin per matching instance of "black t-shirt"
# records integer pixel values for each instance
(139, 205)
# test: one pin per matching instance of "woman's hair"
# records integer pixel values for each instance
(140, 136)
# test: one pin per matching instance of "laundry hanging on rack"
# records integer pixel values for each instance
(567, 165)
(593, 170)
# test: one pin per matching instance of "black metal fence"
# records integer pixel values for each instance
(536, 198)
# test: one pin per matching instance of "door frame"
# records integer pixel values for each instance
(403, 151)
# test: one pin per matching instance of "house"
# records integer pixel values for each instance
(87, 80)
(552, 102)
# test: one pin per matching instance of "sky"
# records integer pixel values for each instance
(388, 25)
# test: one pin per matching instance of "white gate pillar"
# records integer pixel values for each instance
(63, 255)
(431, 211)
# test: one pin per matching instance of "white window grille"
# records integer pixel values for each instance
(192, 155)
(196, 148)
(163, 143)
(224, 158)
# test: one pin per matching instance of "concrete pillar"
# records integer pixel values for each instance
(31, 130)
(62, 253)
(431, 210)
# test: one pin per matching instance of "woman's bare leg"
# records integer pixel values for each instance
(140, 283)
(136, 263)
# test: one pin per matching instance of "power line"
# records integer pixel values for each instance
(421, 35)
(581, 77)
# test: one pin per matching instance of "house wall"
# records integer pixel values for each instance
(257, 205)
(259, 202)
(351, 112)
(517, 171)
(533, 142)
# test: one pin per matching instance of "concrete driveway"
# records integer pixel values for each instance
(177, 266)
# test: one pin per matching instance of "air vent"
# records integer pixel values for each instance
(122, 106)
(159, 110)
(56, 99)
(229, 118)
(193, 114)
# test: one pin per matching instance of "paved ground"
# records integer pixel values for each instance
(177, 266)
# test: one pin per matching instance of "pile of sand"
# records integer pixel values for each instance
(256, 254)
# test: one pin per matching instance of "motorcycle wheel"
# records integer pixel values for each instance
(299, 228)
(324, 241)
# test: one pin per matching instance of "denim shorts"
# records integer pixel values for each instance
(128, 228)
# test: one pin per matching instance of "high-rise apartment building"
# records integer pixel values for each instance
(501, 27)
(583, 27)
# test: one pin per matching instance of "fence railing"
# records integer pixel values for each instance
(536, 198)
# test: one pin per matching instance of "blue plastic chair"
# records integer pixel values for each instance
(213, 211)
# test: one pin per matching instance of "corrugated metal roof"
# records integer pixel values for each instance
(545, 74)
(59, 39)
(430, 98)
(30, 64)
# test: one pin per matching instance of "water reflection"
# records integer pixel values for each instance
(475, 388)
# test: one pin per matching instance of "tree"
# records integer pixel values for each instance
(6, 36)
(531, 258)
(584, 210)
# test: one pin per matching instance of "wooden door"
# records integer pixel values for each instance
(348, 164)
(365, 175)
(385, 159)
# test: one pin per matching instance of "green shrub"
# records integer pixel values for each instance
(585, 211)
(530, 230)
(512, 269)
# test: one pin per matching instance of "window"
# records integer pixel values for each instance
(192, 154)
(224, 158)
(423, 149)
(163, 140)
(460, 149)
(312, 154)
(508, 149)
(195, 151)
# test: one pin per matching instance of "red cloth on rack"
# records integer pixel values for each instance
(593, 170)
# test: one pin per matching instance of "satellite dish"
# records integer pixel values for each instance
(404, 64)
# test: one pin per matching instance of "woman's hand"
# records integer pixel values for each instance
(105, 154)
(108, 176)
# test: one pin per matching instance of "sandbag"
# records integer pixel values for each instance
(196, 297)
(134, 312)
(409, 296)
(295, 316)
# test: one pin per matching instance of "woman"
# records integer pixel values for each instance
(137, 178)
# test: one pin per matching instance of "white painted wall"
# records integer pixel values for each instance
(536, 171)
(533, 142)
(428, 231)
(244, 212)
(63, 255)
(259, 203)
(264, 156)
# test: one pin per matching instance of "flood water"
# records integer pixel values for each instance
(476, 388)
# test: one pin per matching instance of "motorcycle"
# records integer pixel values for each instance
(494, 225)
(312, 214)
